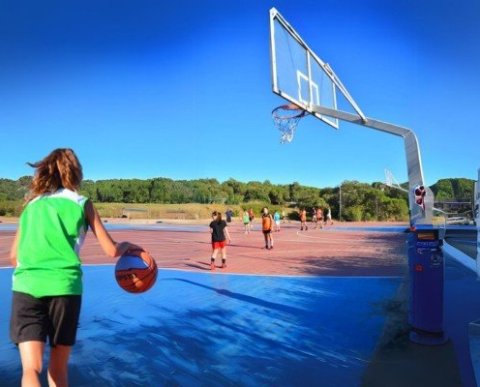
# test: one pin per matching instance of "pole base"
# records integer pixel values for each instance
(427, 338)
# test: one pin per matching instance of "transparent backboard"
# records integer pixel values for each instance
(298, 75)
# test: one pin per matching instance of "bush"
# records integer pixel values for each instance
(11, 208)
(354, 213)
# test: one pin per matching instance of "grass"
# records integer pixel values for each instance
(186, 211)
(158, 211)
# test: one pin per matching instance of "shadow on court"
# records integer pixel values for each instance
(344, 328)
(220, 330)
(397, 362)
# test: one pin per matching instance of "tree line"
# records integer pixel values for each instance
(352, 200)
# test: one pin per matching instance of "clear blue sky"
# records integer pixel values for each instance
(182, 89)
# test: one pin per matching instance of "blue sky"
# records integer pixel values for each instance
(183, 89)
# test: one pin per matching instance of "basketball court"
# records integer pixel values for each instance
(324, 307)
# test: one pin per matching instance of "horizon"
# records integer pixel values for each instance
(247, 182)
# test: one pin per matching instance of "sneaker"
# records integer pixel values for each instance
(224, 265)
(271, 247)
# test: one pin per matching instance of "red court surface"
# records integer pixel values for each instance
(333, 250)
(351, 300)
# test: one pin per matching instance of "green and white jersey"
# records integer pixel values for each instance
(52, 229)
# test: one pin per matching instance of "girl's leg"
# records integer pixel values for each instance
(224, 257)
(270, 237)
(31, 354)
(58, 366)
(212, 260)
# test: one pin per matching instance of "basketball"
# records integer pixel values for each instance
(136, 271)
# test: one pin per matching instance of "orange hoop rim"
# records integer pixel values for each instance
(288, 111)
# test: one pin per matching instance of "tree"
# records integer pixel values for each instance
(88, 188)
(293, 191)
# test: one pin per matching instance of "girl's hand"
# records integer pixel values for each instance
(126, 247)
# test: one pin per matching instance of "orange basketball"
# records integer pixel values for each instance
(136, 271)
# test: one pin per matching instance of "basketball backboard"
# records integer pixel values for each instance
(300, 76)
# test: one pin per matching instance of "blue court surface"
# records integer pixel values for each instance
(204, 329)
(219, 330)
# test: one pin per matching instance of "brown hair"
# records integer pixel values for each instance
(218, 216)
(60, 169)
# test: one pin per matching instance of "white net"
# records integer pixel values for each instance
(286, 118)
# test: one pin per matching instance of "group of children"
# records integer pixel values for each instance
(248, 216)
(318, 218)
(220, 234)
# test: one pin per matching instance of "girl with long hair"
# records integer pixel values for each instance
(220, 235)
(47, 279)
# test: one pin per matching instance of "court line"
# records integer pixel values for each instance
(256, 275)
(248, 274)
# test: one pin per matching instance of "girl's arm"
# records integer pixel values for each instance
(109, 246)
(13, 249)
(227, 234)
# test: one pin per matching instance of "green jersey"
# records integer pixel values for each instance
(52, 228)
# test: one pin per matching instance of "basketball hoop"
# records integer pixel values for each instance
(285, 118)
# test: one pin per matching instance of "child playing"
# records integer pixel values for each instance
(220, 234)
(277, 219)
(303, 220)
(267, 226)
(319, 218)
(47, 280)
(246, 222)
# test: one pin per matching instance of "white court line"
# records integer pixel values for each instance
(319, 238)
(218, 272)
(251, 274)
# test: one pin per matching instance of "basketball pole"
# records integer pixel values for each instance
(425, 256)
(412, 150)
(477, 220)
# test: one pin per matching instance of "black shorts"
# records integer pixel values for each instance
(266, 232)
(35, 319)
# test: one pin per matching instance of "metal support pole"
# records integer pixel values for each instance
(476, 214)
(340, 202)
(425, 256)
